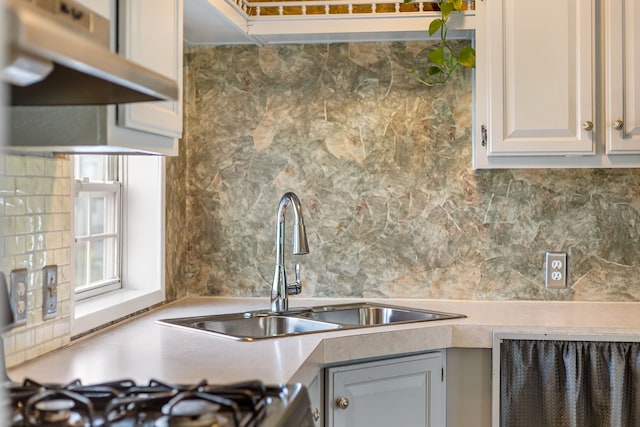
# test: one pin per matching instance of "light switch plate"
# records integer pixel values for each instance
(556, 270)
(49, 291)
(18, 291)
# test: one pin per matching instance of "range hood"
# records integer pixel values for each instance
(59, 55)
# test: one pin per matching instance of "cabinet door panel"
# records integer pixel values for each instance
(407, 391)
(540, 77)
(151, 34)
(621, 74)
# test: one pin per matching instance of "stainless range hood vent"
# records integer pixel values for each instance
(59, 55)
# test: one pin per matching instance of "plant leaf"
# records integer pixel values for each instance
(433, 70)
(446, 9)
(467, 57)
(443, 59)
(437, 56)
(435, 26)
(407, 1)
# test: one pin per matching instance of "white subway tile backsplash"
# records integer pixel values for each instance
(14, 206)
(55, 204)
(26, 185)
(61, 222)
(35, 167)
(47, 332)
(62, 256)
(53, 345)
(21, 341)
(15, 165)
(40, 222)
(34, 352)
(9, 344)
(14, 245)
(41, 258)
(39, 242)
(7, 224)
(16, 358)
(45, 186)
(36, 204)
(62, 186)
(52, 240)
(30, 300)
(64, 307)
(7, 185)
(24, 225)
(67, 239)
(60, 329)
(30, 244)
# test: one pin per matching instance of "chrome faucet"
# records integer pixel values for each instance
(281, 289)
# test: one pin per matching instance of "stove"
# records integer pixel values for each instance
(157, 404)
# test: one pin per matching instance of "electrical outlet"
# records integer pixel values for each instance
(19, 295)
(556, 270)
(49, 291)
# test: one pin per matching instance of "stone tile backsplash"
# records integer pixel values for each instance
(383, 167)
(35, 230)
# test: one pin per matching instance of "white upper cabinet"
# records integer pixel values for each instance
(542, 68)
(535, 67)
(148, 32)
(151, 34)
(540, 81)
(622, 49)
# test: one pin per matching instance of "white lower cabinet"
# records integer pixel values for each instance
(405, 391)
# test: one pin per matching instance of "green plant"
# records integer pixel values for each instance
(444, 59)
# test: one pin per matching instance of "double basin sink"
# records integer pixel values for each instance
(256, 325)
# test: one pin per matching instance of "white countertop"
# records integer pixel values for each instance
(142, 349)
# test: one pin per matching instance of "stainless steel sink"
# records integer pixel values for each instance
(370, 314)
(256, 325)
(252, 326)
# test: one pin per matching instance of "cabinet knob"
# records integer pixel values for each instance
(618, 124)
(316, 414)
(587, 125)
(342, 402)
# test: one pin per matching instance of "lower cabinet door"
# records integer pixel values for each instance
(315, 397)
(406, 391)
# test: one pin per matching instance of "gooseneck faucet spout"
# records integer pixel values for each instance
(281, 289)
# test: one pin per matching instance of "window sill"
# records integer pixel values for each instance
(99, 311)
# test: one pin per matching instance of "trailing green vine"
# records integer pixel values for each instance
(444, 59)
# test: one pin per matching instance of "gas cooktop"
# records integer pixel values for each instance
(126, 404)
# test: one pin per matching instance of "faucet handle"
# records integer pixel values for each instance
(296, 287)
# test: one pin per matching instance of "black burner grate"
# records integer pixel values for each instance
(124, 403)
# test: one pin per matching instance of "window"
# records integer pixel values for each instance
(119, 237)
(97, 225)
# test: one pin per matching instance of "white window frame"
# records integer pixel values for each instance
(143, 250)
(114, 256)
